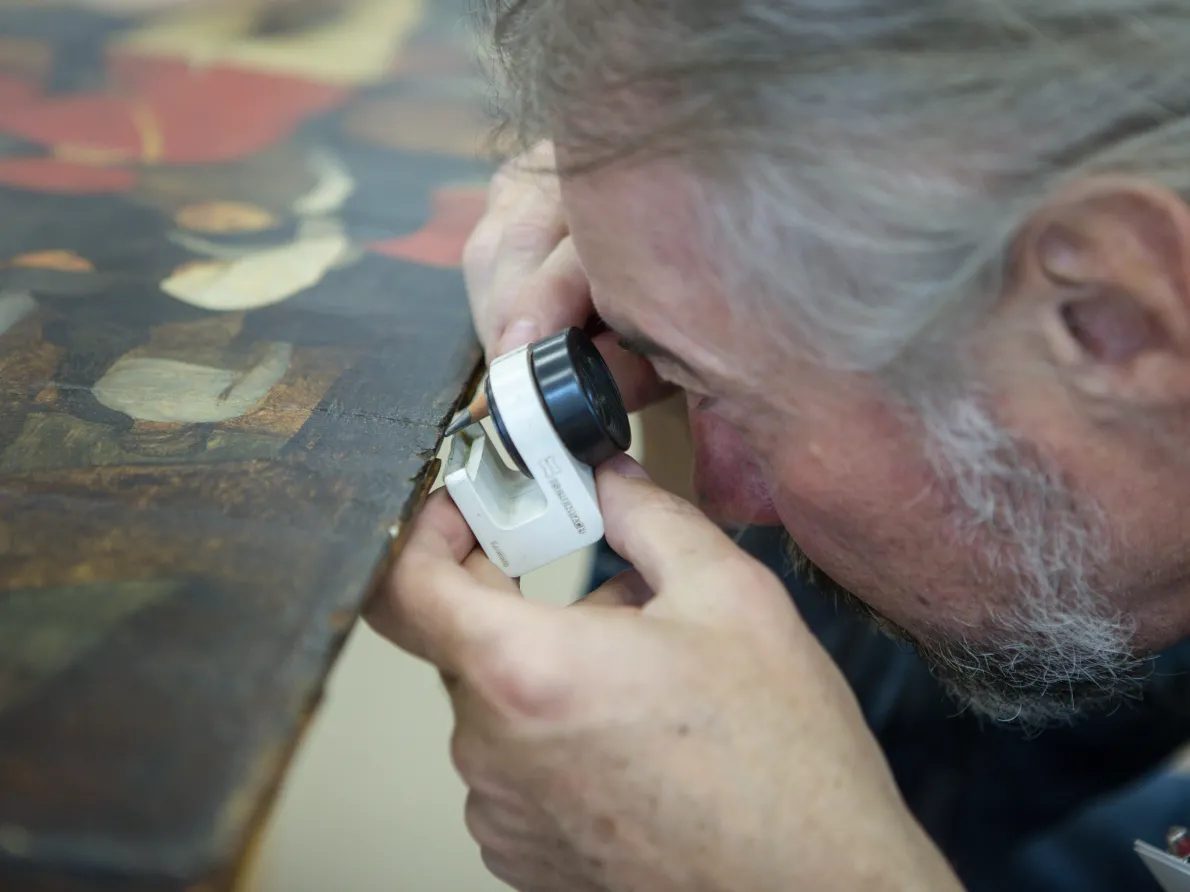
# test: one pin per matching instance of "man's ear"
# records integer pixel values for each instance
(1110, 262)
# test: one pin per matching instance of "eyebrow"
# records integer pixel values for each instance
(645, 347)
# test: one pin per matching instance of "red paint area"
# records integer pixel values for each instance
(440, 242)
(51, 175)
(152, 111)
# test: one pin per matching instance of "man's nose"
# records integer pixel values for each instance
(729, 483)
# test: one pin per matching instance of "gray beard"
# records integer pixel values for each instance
(1060, 650)
(1030, 681)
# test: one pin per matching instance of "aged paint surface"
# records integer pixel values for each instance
(231, 329)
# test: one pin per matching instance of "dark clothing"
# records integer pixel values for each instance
(1058, 812)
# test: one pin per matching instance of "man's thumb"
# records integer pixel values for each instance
(678, 551)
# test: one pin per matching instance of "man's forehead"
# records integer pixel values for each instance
(630, 210)
(651, 275)
(640, 248)
(704, 354)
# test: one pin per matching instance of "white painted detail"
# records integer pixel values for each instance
(150, 388)
(263, 278)
(15, 306)
(335, 185)
(357, 48)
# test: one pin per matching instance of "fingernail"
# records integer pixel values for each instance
(520, 333)
(626, 466)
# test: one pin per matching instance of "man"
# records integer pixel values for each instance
(923, 271)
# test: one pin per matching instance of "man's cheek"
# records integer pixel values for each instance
(728, 481)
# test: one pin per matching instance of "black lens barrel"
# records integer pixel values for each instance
(581, 396)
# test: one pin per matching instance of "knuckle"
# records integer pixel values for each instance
(465, 757)
(525, 679)
(413, 574)
(504, 179)
(527, 231)
(475, 819)
(509, 186)
(479, 250)
(476, 765)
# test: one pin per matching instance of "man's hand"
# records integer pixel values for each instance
(524, 277)
(679, 730)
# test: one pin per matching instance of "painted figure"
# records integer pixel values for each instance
(210, 193)
(202, 86)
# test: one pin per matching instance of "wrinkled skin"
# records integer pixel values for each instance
(681, 729)
(668, 732)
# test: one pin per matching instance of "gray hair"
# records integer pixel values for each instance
(871, 161)
(867, 167)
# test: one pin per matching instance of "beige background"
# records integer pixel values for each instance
(372, 803)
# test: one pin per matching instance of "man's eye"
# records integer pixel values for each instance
(627, 346)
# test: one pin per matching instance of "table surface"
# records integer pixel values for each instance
(232, 327)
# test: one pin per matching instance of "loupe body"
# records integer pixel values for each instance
(557, 411)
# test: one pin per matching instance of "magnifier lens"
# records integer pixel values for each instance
(581, 396)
